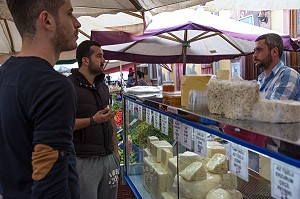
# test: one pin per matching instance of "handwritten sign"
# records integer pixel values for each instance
(238, 163)
(176, 130)
(200, 140)
(284, 180)
(165, 124)
(140, 112)
(186, 138)
(148, 116)
(156, 120)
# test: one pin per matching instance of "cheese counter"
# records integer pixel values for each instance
(198, 155)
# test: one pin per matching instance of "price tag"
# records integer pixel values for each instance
(165, 124)
(186, 138)
(132, 108)
(156, 120)
(177, 130)
(200, 140)
(285, 180)
(149, 116)
(127, 106)
(140, 112)
(238, 163)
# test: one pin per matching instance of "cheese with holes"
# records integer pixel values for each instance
(218, 164)
(214, 149)
(229, 181)
(197, 189)
(195, 171)
(156, 148)
(150, 139)
(218, 194)
(166, 154)
(187, 158)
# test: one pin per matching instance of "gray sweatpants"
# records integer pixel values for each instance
(98, 177)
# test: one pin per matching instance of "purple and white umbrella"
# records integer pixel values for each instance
(185, 36)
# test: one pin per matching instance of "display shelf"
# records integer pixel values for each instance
(288, 134)
(253, 136)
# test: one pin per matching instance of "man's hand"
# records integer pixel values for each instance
(104, 115)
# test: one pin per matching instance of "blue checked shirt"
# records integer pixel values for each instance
(283, 83)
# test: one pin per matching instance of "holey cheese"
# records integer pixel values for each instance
(276, 111)
(218, 194)
(218, 164)
(156, 148)
(195, 171)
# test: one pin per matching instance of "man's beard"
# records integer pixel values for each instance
(95, 70)
(62, 40)
(265, 63)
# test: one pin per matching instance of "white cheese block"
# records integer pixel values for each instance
(150, 139)
(148, 172)
(213, 143)
(235, 194)
(214, 149)
(229, 181)
(218, 164)
(160, 179)
(172, 171)
(195, 171)
(187, 158)
(218, 194)
(166, 195)
(146, 152)
(157, 146)
(276, 111)
(166, 154)
(197, 189)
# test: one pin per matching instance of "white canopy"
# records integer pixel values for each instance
(253, 5)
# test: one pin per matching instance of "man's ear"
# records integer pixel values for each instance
(46, 20)
(85, 61)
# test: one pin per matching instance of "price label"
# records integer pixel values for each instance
(149, 116)
(238, 163)
(186, 138)
(127, 106)
(165, 124)
(157, 120)
(284, 180)
(176, 130)
(200, 140)
(140, 112)
(132, 108)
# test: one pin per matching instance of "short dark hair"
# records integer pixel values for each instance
(272, 40)
(84, 50)
(26, 12)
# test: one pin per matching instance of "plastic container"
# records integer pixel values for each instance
(168, 87)
(172, 98)
(197, 100)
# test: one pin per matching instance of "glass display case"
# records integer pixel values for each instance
(173, 152)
